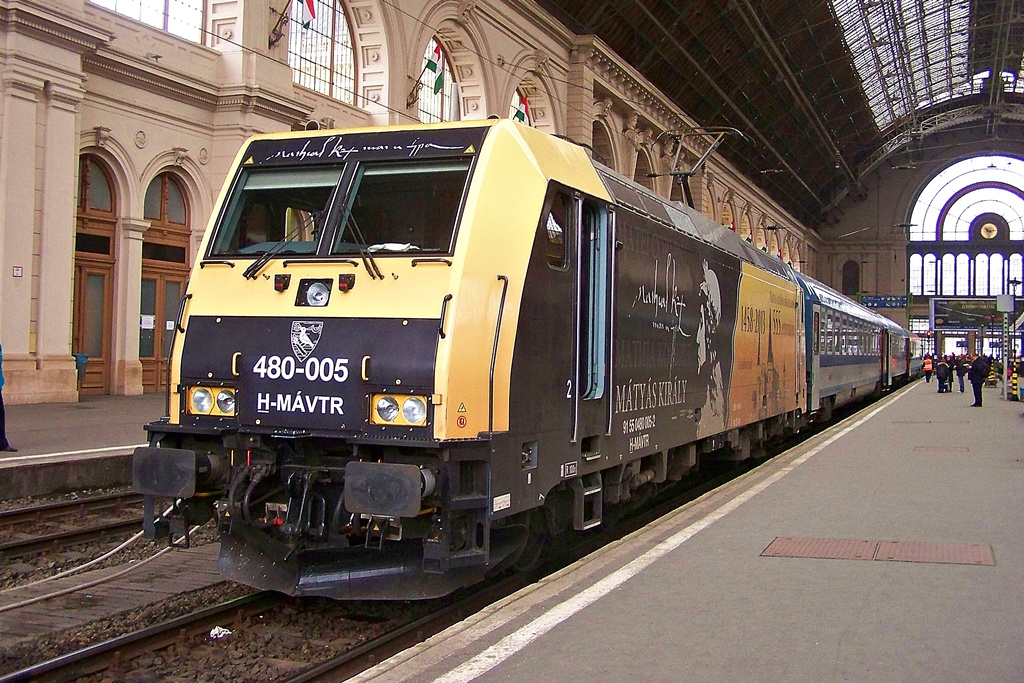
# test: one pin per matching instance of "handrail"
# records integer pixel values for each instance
(436, 259)
(181, 313)
(214, 262)
(494, 355)
(348, 261)
(444, 310)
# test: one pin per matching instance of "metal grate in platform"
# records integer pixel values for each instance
(821, 548)
(886, 551)
(938, 553)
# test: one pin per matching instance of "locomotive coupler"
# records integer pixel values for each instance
(307, 511)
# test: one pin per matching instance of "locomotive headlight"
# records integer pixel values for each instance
(317, 294)
(200, 401)
(226, 401)
(398, 410)
(386, 408)
(414, 410)
(213, 401)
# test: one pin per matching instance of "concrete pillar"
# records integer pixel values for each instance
(127, 368)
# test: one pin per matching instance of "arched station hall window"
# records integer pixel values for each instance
(320, 49)
(438, 92)
(182, 18)
(95, 226)
(643, 171)
(967, 227)
(165, 259)
(602, 145)
(519, 108)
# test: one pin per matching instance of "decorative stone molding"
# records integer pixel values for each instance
(466, 10)
(180, 155)
(140, 139)
(102, 134)
(602, 107)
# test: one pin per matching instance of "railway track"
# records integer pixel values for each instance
(57, 525)
(112, 653)
(49, 511)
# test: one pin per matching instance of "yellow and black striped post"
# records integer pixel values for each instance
(1013, 386)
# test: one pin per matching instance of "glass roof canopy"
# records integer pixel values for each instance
(909, 54)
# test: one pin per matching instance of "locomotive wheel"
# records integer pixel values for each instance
(536, 544)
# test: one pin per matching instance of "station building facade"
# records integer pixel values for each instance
(119, 120)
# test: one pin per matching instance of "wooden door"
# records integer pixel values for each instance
(91, 327)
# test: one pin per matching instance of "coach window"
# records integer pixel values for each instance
(817, 333)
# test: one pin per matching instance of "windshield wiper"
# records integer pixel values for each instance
(368, 261)
(253, 271)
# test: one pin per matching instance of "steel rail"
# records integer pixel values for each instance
(39, 543)
(37, 513)
(110, 653)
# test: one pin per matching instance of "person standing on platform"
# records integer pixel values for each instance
(928, 368)
(5, 445)
(977, 375)
(942, 374)
(962, 366)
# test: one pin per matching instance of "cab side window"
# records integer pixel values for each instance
(555, 225)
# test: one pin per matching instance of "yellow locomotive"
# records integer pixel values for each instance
(408, 355)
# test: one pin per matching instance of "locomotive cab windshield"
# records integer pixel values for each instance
(391, 207)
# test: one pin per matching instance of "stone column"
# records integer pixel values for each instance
(56, 242)
(17, 209)
(127, 369)
(20, 92)
(580, 93)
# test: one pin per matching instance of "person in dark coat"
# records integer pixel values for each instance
(5, 445)
(977, 376)
(962, 366)
(942, 374)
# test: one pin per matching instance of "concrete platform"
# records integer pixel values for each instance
(69, 446)
(691, 598)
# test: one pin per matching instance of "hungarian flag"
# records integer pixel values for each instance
(308, 13)
(523, 112)
(434, 65)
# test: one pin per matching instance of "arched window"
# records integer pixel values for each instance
(643, 169)
(996, 278)
(981, 275)
(320, 50)
(948, 275)
(727, 219)
(438, 91)
(519, 108)
(915, 272)
(167, 238)
(851, 278)
(95, 226)
(182, 18)
(1016, 274)
(929, 275)
(165, 256)
(963, 273)
(602, 145)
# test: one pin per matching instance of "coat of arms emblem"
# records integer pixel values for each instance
(305, 336)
